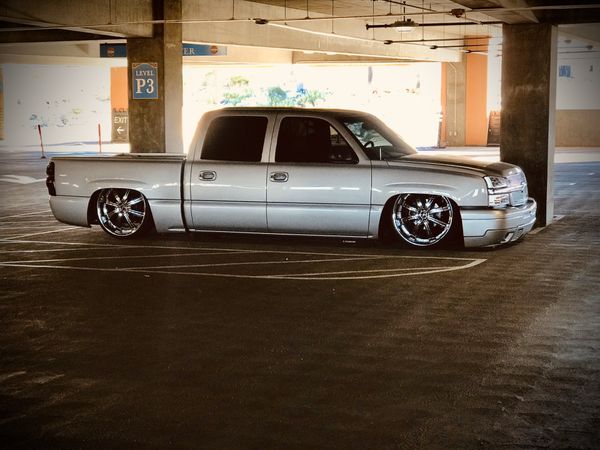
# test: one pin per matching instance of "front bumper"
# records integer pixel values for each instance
(489, 227)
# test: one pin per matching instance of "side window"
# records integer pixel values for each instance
(235, 138)
(308, 140)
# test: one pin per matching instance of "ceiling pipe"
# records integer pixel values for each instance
(439, 13)
(54, 26)
(440, 24)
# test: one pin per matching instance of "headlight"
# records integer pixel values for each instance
(494, 183)
(498, 197)
(506, 191)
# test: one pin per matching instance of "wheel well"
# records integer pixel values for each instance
(92, 215)
(386, 231)
(91, 212)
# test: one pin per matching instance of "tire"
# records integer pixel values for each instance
(423, 220)
(123, 213)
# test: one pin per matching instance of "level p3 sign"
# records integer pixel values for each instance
(145, 80)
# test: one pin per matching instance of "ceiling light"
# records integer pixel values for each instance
(404, 26)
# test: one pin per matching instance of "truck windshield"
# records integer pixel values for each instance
(378, 141)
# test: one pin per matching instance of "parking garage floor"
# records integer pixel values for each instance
(214, 341)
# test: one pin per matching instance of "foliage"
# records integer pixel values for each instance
(303, 97)
(238, 91)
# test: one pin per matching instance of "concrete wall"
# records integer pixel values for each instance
(578, 101)
(578, 128)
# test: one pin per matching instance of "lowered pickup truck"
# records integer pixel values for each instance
(296, 171)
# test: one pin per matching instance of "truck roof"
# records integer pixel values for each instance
(334, 111)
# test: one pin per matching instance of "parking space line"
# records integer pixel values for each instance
(14, 227)
(44, 250)
(300, 277)
(425, 269)
(27, 214)
(21, 222)
(314, 257)
(99, 258)
(89, 244)
(250, 263)
(60, 230)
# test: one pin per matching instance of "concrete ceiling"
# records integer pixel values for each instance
(346, 28)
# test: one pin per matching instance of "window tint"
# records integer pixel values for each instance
(378, 141)
(307, 140)
(235, 138)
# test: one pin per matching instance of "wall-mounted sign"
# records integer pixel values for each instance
(120, 126)
(203, 50)
(144, 78)
(188, 50)
(113, 50)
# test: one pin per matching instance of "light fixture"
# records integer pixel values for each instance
(401, 26)
(404, 26)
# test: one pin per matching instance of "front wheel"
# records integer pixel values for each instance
(123, 213)
(422, 220)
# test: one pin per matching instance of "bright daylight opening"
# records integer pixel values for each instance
(69, 102)
(407, 97)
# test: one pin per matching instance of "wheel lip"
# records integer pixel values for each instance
(411, 238)
(100, 212)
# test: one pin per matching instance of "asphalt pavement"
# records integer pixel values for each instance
(223, 342)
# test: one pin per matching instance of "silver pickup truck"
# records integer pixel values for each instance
(296, 171)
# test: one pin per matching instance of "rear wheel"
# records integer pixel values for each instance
(422, 220)
(123, 213)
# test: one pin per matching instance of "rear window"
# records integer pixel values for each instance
(235, 138)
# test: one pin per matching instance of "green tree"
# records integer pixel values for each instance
(238, 90)
(278, 97)
(309, 97)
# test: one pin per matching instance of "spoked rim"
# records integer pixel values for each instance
(121, 212)
(422, 220)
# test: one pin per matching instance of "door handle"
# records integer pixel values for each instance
(208, 175)
(279, 177)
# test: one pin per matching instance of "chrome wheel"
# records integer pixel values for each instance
(422, 220)
(122, 212)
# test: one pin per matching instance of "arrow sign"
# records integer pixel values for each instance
(120, 126)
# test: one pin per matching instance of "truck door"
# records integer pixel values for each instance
(317, 184)
(228, 173)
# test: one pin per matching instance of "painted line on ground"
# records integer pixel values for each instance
(424, 270)
(450, 258)
(26, 214)
(99, 258)
(307, 277)
(30, 221)
(60, 230)
(254, 263)
(50, 250)
(37, 227)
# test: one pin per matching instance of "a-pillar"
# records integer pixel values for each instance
(155, 116)
(528, 108)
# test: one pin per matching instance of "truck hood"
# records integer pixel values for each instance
(460, 162)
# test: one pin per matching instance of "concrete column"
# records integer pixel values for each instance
(155, 125)
(528, 108)
(454, 108)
